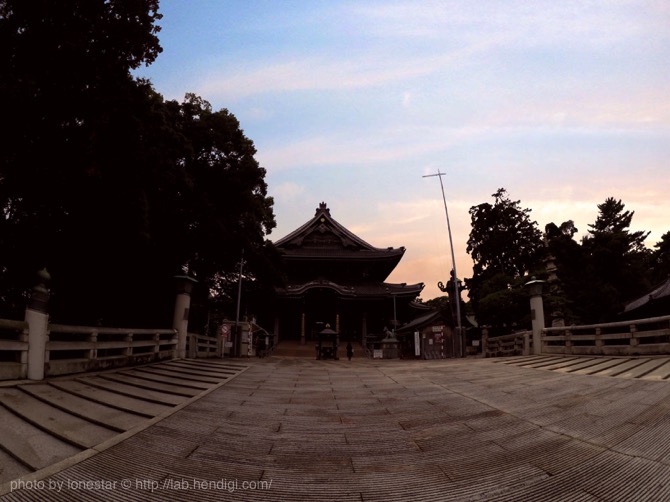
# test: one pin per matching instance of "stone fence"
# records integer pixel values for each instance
(64, 349)
(626, 338)
(35, 348)
(198, 346)
(75, 349)
(13, 349)
(514, 344)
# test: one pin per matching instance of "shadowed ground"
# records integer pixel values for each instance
(292, 428)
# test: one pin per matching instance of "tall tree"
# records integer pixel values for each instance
(660, 259)
(618, 262)
(70, 113)
(505, 245)
(565, 295)
(225, 210)
(613, 220)
(110, 187)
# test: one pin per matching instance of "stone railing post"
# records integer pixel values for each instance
(181, 311)
(37, 317)
(526, 343)
(568, 341)
(192, 345)
(536, 313)
(599, 343)
(634, 341)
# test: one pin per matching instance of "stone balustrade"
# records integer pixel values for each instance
(13, 349)
(625, 338)
(514, 344)
(198, 345)
(74, 349)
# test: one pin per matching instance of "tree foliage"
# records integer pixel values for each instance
(609, 267)
(612, 220)
(660, 259)
(70, 112)
(505, 245)
(102, 181)
(618, 261)
(503, 237)
(589, 281)
(566, 293)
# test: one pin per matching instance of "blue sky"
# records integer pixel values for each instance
(352, 102)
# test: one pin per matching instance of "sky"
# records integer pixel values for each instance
(562, 103)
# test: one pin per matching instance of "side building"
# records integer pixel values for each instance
(336, 280)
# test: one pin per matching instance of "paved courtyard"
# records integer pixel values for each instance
(475, 429)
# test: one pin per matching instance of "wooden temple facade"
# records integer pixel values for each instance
(336, 280)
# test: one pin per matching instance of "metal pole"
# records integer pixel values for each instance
(238, 341)
(239, 292)
(453, 257)
(395, 317)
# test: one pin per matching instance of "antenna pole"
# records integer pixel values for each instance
(457, 295)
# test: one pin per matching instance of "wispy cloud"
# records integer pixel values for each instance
(287, 190)
(540, 22)
(318, 73)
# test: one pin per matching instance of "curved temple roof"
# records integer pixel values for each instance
(323, 253)
(323, 232)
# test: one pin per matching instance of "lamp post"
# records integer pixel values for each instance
(453, 257)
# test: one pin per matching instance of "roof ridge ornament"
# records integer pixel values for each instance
(323, 207)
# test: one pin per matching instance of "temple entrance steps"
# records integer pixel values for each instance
(51, 421)
(293, 348)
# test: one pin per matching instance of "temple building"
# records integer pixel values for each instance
(334, 279)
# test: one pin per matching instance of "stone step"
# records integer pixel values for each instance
(599, 366)
(11, 468)
(132, 391)
(119, 401)
(97, 413)
(622, 368)
(190, 369)
(152, 385)
(157, 377)
(42, 423)
(181, 376)
(638, 368)
(56, 422)
(27, 448)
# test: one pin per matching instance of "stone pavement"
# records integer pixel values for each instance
(471, 429)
